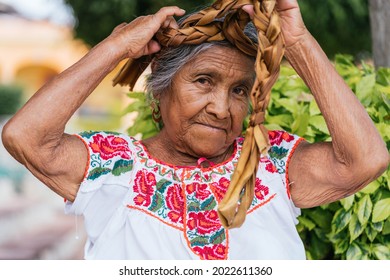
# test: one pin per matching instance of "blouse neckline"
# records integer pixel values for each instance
(233, 156)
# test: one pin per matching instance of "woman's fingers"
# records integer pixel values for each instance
(249, 10)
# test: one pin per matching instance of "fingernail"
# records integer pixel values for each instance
(183, 10)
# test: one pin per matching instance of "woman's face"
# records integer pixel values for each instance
(204, 110)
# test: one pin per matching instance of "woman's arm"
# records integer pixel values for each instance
(35, 135)
(324, 172)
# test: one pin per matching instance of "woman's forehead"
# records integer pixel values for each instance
(221, 58)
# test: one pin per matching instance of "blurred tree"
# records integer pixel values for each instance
(97, 18)
(380, 28)
(339, 26)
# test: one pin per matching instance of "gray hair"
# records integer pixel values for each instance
(170, 60)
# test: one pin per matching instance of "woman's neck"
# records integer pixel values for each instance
(159, 149)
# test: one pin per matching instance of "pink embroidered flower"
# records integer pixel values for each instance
(201, 190)
(261, 191)
(216, 252)
(205, 222)
(175, 203)
(144, 183)
(277, 136)
(110, 146)
(220, 188)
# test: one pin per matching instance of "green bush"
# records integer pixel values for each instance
(358, 226)
(10, 99)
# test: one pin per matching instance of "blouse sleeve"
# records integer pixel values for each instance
(283, 145)
(105, 182)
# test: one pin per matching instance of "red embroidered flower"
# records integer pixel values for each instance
(205, 222)
(110, 146)
(220, 188)
(201, 190)
(144, 183)
(270, 167)
(175, 203)
(277, 136)
(261, 191)
(216, 252)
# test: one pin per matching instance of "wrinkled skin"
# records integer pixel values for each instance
(204, 110)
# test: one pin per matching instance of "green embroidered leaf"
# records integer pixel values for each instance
(218, 237)
(278, 152)
(354, 252)
(341, 220)
(88, 134)
(162, 185)
(97, 172)
(122, 166)
(199, 241)
(157, 202)
(371, 233)
(193, 207)
(381, 210)
(364, 209)
(208, 204)
(355, 227)
(381, 251)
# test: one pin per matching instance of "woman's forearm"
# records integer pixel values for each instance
(354, 136)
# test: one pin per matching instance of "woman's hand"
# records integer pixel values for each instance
(293, 28)
(135, 38)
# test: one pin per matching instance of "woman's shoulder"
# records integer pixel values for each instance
(282, 147)
(109, 152)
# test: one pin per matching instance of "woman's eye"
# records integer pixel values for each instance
(240, 91)
(203, 81)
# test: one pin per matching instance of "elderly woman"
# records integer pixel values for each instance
(172, 196)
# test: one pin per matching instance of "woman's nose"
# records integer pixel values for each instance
(219, 105)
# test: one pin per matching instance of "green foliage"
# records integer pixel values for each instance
(357, 227)
(143, 123)
(97, 18)
(10, 99)
(339, 26)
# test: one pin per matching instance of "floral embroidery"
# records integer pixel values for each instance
(260, 191)
(175, 203)
(217, 252)
(201, 190)
(184, 198)
(277, 136)
(110, 146)
(144, 185)
(220, 188)
(103, 151)
(204, 222)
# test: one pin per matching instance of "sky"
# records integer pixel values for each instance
(53, 10)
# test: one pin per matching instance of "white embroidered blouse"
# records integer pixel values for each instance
(137, 207)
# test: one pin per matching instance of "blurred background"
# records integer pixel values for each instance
(41, 38)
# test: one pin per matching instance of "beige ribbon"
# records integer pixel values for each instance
(203, 27)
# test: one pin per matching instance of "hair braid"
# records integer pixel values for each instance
(225, 20)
